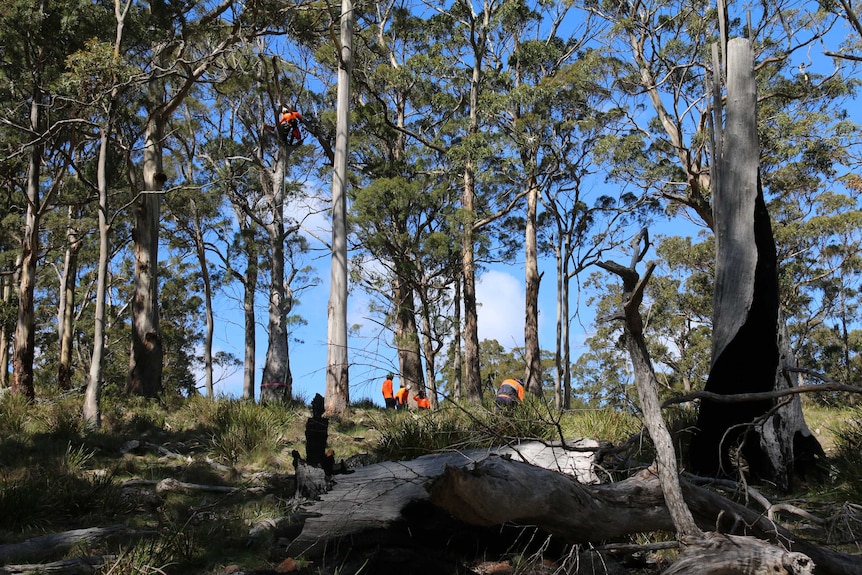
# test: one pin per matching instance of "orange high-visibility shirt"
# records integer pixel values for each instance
(286, 118)
(402, 395)
(422, 402)
(519, 389)
(387, 388)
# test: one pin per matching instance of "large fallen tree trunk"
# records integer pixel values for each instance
(374, 496)
(581, 513)
(489, 490)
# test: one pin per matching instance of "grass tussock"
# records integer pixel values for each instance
(848, 457)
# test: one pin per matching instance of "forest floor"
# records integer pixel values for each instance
(180, 489)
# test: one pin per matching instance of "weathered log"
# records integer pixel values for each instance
(479, 488)
(719, 554)
(56, 544)
(177, 486)
(579, 513)
(374, 496)
(76, 566)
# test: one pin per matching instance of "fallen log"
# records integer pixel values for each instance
(177, 486)
(57, 544)
(373, 497)
(579, 513)
(76, 566)
(720, 554)
(484, 489)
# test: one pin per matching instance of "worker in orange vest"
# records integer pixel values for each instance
(511, 392)
(388, 397)
(422, 402)
(288, 126)
(401, 396)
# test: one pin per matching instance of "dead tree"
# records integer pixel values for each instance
(647, 385)
(748, 346)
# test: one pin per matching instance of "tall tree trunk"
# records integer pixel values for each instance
(249, 289)
(337, 380)
(92, 411)
(145, 361)
(430, 352)
(277, 381)
(201, 252)
(66, 309)
(407, 337)
(472, 373)
(6, 283)
(532, 350)
(458, 372)
(25, 337)
(147, 354)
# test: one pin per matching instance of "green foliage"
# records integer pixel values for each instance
(612, 425)
(53, 491)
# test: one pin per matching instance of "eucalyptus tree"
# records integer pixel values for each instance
(467, 41)
(402, 208)
(241, 256)
(184, 44)
(555, 115)
(103, 79)
(265, 178)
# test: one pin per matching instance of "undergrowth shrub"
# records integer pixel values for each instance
(848, 457)
(14, 413)
(407, 434)
(243, 430)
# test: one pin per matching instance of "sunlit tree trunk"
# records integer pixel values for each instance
(277, 381)
(25, 340)
(458, 372)
(249, 285)
(407, 337)
(337, 380)
(92, 412)
(66, 308)
(429, 350)
(201, 253)
(145, 361)
(532, 350)
(6, 283)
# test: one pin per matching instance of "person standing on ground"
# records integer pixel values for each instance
(511, 392)
(388, 397)
(401, 396)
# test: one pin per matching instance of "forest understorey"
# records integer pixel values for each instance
(531, 508)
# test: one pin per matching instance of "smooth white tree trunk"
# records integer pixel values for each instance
(337, 381)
